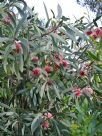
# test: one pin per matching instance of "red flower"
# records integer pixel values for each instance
(45, 125)
(94, 35)
(36, 71)
(82, 73)
(98, 32)
(89, 32)
(48, 69)
(57, 66)
(35, 59)
(65, 63)
(77, 92)
(18, 46)
(48, 115)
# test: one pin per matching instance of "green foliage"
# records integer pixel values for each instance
(40, 66)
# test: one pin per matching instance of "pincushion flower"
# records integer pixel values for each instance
(87, 90)
(57, 67)
(77, 92)
(36, 71)
(98, 32)
(94, 35)
(48, 115)
(45, 124)
(88, 32)
(65, 63)
(48, 69)
(83, 73)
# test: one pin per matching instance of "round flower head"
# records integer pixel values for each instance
(36, 71)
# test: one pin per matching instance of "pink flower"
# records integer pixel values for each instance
(58, 56)
(49, 82)
(77, 92)
(83, 73)
(35, 59)
(45, 125)
(94, 35)
(36, 71)
(48, 115)
(48, 69)
(18, 47)
(57, 66)
(87, 90)
(65, 63)
(7, 20)
(98, 32)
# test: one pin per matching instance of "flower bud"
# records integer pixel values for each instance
(48, 69)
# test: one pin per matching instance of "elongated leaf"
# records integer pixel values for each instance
(42, 90)
(4, 105)
(25, 46)
(93, 56)
(20, 24)
(4, 39)
(36, 122)
(57, 91)
(56, 36)
(59, 11)
(47, 15)
(21, 63)
(70, 33)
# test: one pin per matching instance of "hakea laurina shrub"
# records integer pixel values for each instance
(50, 74)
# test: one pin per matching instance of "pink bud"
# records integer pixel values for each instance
(18, 47)
(48, 115)
(36, 71)
(77, 92)
(87, 90)
(48, 69)
(45, 125)
(94, 35)
(35, 59)
(58, 56)
(49, 82)
(65, 63)
(7, 20)
(98, 32)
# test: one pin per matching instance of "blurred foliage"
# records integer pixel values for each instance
(94, 5)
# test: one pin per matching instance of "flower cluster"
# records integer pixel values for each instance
(48, 68)
(96, 33)
(85, 91)
(46, 116)
(59, 60)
